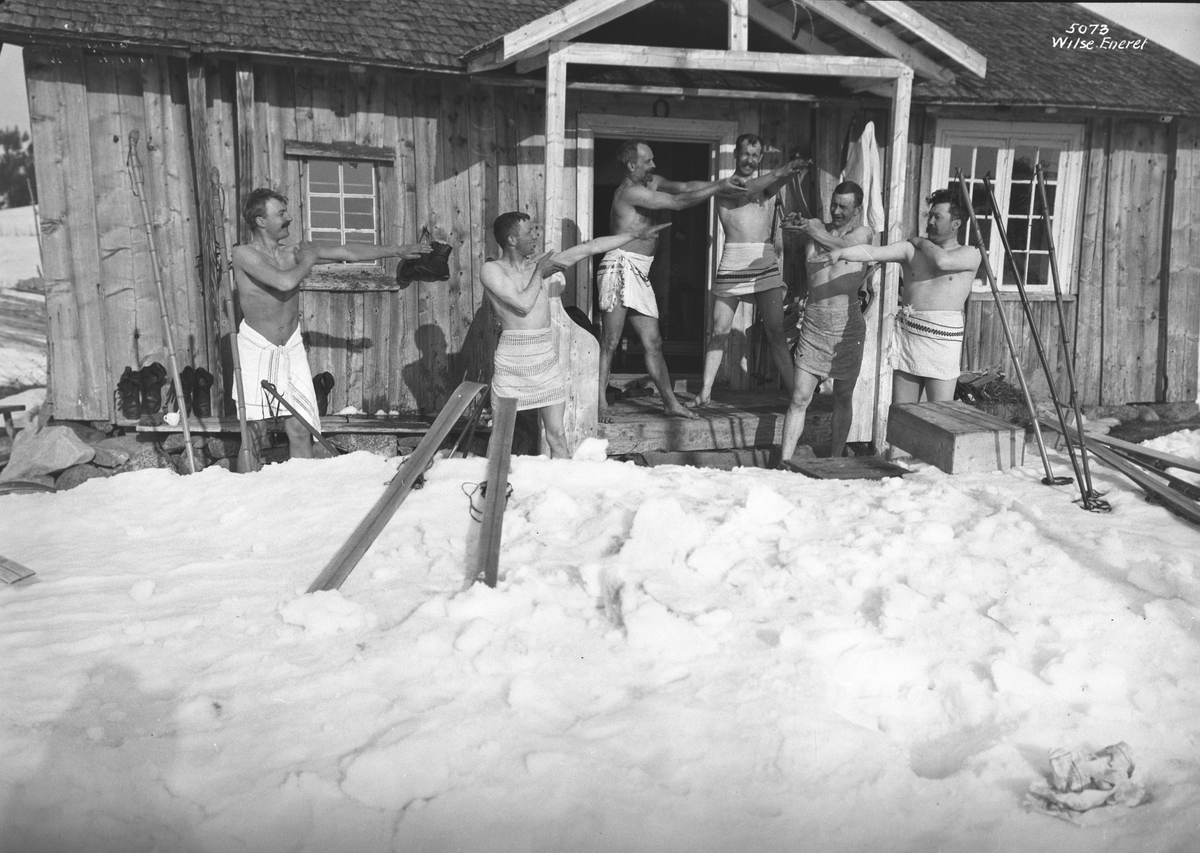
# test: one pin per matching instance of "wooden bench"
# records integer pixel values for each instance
(955, 437)
(9, 426)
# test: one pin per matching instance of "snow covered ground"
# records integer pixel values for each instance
(675, 659)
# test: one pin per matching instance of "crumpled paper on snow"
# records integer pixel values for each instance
(1081, 781)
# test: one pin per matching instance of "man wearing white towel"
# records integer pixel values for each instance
(270, 347)
(938, 273)
(624, 274)
(749, 269)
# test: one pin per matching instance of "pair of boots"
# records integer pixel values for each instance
(197, 394)
(140, 392)
(432, 267)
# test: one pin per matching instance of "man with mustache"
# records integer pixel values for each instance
(624, 276)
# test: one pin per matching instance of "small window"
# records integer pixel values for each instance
(1009, 152)
(341, 202)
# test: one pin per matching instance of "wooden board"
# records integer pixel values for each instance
(330, 425)
(1158, 457)
(725, 460)
(11, 571)
(504, 420)
(955, 437)
(368, 530)
(846, 468)
(1149, 483)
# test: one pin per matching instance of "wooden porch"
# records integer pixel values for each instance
(734, 420)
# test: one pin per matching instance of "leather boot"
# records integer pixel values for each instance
(129, 394)
(202, 393)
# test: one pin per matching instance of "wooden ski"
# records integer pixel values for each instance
(1157, 457)
(1146, 478)
(504, 420)
(368, 530)
(11, 571)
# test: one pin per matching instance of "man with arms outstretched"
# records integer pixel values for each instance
(526, 361)
(268, 277)
(749, 269)
(833, 332)
(926, 354)
(624, 276)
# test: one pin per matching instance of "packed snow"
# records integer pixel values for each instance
(674, 659)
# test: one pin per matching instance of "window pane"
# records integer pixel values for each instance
(326, 204)
(961, 157)
(1023, 159)
(323, 176)
(1038, 239)
(1007, 278)
(325, 238)
(1051, 194)
(361, 222)
(1019, 198)
(360, 237)
(358, 177)
(979, 200)
(1039, 269)
(360, 205)
(321, 219)
(1049, 158)
(1018, 234)
(985, 161)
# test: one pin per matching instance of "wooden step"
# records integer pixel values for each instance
(725, 460)
(734, 419)
(846, 468)
(955, 437)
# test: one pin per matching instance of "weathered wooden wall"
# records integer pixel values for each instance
(101, 300)
(1113, 309)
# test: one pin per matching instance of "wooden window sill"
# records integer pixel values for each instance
(1012, 296)
(351, 281)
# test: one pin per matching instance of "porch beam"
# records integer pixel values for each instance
(686, 92)
(563, 24)
(932, 34)
(887, 301)
(739, 25)
(776, 23)
(879, 38)
(752, 62)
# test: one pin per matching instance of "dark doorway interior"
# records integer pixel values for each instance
(681, 262)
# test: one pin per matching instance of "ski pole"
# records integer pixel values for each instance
(134, 167)
(1019, 278)
(270, 388)
(1049, 479)
(1068, 356)
(246, 463)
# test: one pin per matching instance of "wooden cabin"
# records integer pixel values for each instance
(380, 117)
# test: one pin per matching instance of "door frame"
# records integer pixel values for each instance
(719, 135)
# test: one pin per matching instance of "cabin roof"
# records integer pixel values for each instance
(1023, 65)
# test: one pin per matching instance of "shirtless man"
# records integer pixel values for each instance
(749, 269)
(833, 332)
(268, 275)
(938, 273)
(526, 360)
(624, 278)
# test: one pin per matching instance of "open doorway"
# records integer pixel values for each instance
(680, 269)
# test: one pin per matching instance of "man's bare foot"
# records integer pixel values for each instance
(674, 410)
(604, 416)
(698, 401)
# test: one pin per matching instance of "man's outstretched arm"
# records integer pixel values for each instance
(363, 252)
(891, 253)
(569, 257)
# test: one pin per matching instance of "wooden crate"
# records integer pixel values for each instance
(955, 437)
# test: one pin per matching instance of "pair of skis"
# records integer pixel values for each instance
(504, 412)
(1089, 499)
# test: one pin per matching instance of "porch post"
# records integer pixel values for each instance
(578, 351)
(897, 179)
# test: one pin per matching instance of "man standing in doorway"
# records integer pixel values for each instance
(624, 276)
(833, 332)
(270, 347)
(938, 273)
(749, 269)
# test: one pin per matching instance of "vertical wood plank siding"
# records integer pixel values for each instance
(1183, 310)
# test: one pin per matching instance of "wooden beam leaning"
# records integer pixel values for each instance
(368, 530)
(776, 23)
(739, 24)
(879, 38)
(932, 34)
(504, 419)
(897, 177)
(563, 24)
(754, 62)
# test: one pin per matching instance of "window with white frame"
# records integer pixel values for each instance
(1009, 152)
(341, 202)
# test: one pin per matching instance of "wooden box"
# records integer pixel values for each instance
(955, 437)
